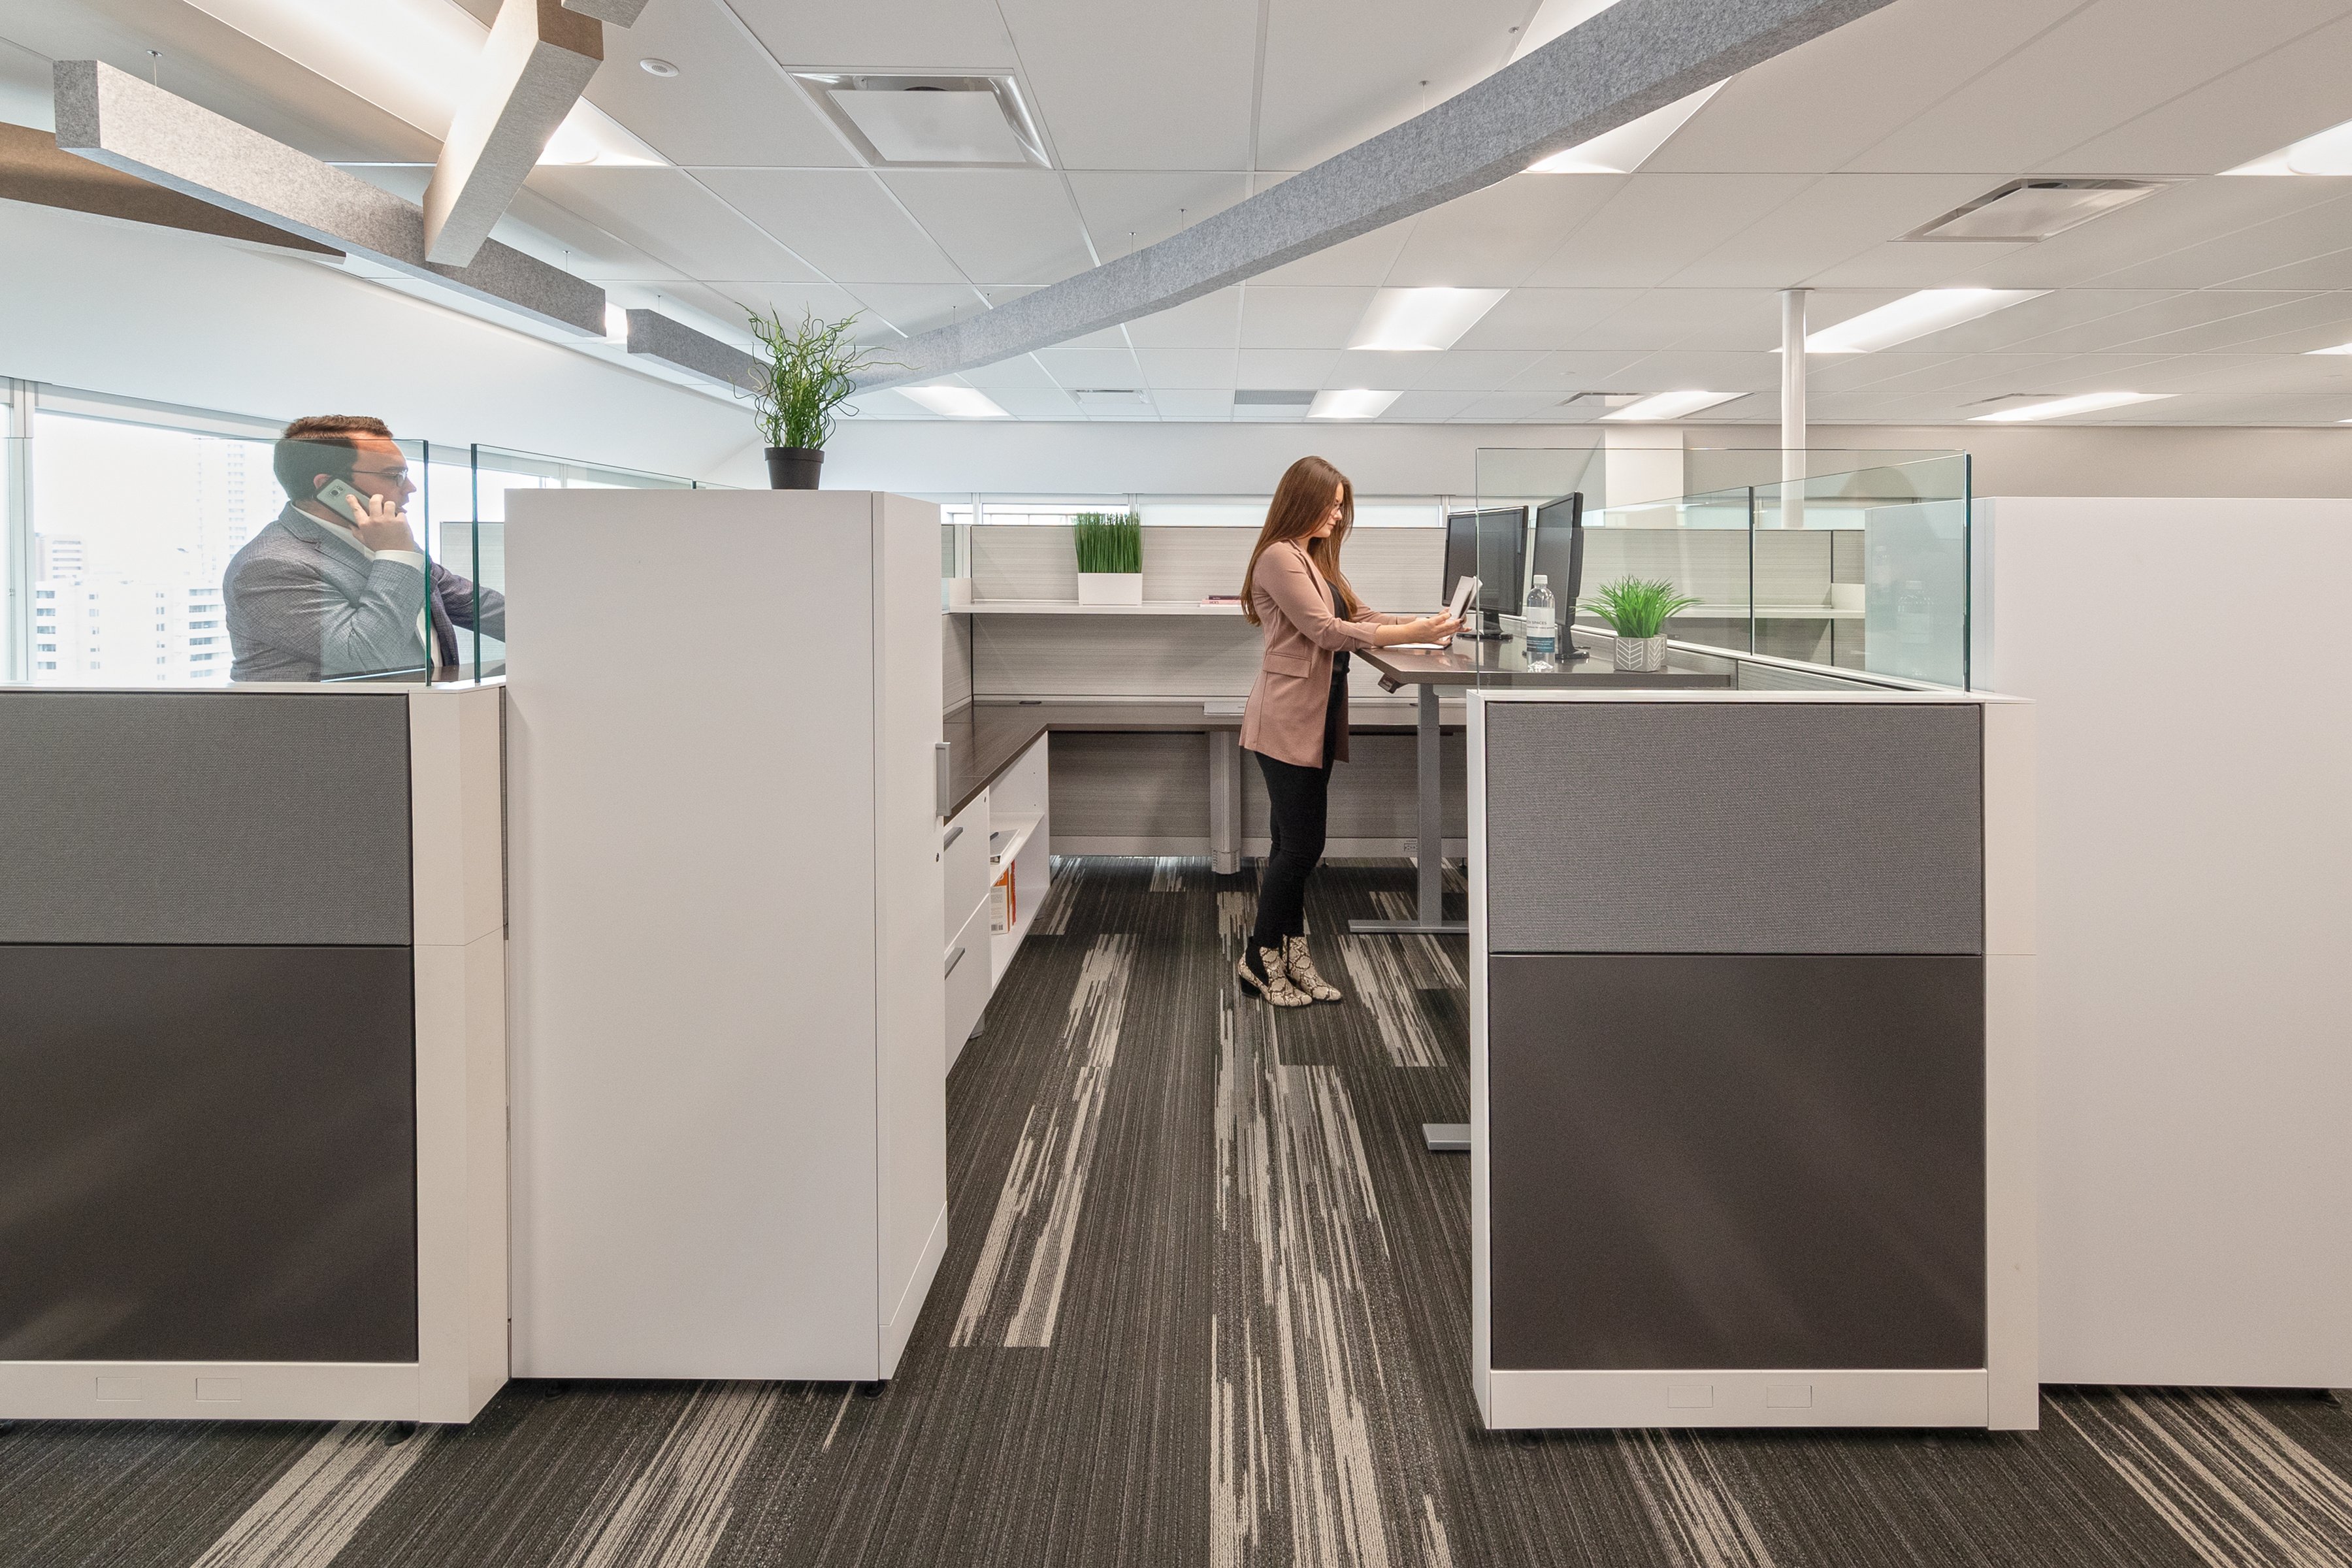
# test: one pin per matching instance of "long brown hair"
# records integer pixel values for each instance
(1299, 503)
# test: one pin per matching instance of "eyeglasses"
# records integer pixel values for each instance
(398, 473)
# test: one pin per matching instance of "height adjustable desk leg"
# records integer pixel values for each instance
(1225, 800)
(1429, 919)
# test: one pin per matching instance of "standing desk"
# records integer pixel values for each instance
(1462, 665)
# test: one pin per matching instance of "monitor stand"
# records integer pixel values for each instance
(1477, 630)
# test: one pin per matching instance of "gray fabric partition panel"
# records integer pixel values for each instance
(207, 1153)
(1758, 1160)
(205, 817)
(1723, 827)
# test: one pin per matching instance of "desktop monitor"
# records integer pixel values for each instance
(1491, 545)
(1559, 552)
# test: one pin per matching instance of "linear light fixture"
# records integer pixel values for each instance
(2339, 349)
(1914, 316)
(1631, 145)
(1355, 403)
(1671, 405)
(2060, 408)
(2327, 153)
(957, 402)
(1421, 317)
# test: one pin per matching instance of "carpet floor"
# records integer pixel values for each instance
(1205, 1302)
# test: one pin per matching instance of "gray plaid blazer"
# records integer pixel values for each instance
(303, 605)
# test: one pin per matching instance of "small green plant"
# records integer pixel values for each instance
(1109, 540)
(807, 372)
(1637, 606)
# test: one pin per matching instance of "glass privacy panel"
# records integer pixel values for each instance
(1845, 559)
(168, 557)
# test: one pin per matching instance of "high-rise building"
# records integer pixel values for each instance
(58, 557)
(118, 631)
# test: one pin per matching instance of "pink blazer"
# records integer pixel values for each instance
(1283, 718)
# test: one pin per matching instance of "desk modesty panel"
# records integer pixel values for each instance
(1752, 1094)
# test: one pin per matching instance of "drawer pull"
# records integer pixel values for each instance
(953, 834)
(953, 958)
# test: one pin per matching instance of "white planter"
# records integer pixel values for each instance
(1642, 654)
(1110, 587)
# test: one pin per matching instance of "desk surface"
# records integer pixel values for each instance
(1470, 663)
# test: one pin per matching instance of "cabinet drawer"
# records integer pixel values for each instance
(964, 855)
(968, 979)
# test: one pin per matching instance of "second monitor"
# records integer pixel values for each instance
(1491, 545)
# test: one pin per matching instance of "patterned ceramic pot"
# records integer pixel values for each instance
(1642, 654)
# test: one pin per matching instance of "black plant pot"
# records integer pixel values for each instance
(794, 467)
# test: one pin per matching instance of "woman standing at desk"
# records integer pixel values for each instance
(1297, 719)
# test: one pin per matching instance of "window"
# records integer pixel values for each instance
(46, 648)
(200, 642)
(202, 626)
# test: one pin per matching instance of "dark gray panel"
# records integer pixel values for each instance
(1737, 1162)
(1724, 827)
(207, 1153)
(203, 817)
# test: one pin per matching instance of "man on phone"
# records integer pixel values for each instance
(337, 585)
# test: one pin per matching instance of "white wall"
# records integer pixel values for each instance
(180, 318)
(2196, 901)
(929, 456)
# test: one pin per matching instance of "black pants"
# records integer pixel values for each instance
(1297, 799)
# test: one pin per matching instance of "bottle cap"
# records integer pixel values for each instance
(1541, 581)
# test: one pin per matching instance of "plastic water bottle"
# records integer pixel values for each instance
(1543, 630)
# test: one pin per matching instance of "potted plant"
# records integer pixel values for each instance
(1110, 557)
(807, 372)
(1637, 609)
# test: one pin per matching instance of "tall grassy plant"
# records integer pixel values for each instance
(808, 371)
(1109, 540)
(1637, 606)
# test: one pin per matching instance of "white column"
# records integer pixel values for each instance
(1792, 406)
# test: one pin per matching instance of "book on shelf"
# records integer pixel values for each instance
(1003, 907)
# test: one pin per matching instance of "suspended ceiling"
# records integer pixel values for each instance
(1799, 173)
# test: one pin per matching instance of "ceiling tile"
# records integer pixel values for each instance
(1461, 370)
(727, 104)
(2256, 249)
(1878, 71)
(1284, 317)
(882, 34)
(1544, 318)
(1338, 71)
(2257, 109)
(1091, 367)
(1190, 109)
(1656, 225)
(1037, 403)
(1832, 221)
(1127, 211)
(1705, 318)
(1210, 321)
(1001, 226)
(1193, 368)
(844, 224)
(2100, 68)
(1186, 403)
(728, 303)
(664, 213)
(1493, 238)
(1277, 369)
(1430, 405)
(1020, 373)
(1577, 372)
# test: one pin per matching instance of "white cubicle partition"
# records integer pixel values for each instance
(2196, 877)
(729, 1113)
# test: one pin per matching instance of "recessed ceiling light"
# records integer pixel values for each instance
(1671, 405)
(2023, 211)
(616, 323)
(1406, 319)
(957, 402)
(2339, 349)
(1355, 403)
(979, 121)
(2328, 153)
(1631, 145)
(652, 66)
(2060, 408)
(1914, 316)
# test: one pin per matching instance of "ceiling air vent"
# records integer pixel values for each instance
(2023, 211)
(1109, 397)
(1254, 398)
(930, 121)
